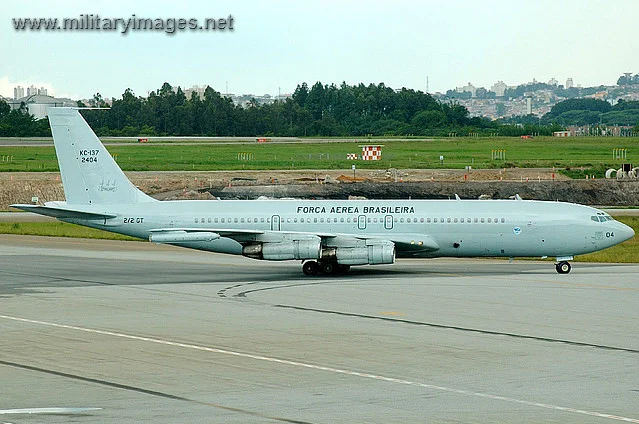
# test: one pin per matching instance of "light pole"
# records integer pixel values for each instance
(353, 168)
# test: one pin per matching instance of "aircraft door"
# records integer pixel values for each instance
(388, 222)
(361, 222)
(275, 223)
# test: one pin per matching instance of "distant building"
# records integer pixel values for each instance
(528, 104)
(569, 83)
(561, 134)
(18, 92)
(38, 104)
(199, 90)
(499, 88)
(467, 89)
(553, 82)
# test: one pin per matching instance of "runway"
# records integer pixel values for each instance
(135, 332)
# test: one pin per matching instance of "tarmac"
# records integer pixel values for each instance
(127, 332)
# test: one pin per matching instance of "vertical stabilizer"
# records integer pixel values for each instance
(90, 176)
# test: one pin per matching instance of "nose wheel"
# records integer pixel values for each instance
(563, 267)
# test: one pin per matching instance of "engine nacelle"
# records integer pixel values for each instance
(285, 250)
(375, 253)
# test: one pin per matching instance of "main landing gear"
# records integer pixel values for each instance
(327, 268)
(563, 267)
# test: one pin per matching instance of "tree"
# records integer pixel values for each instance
(593, 105)
(429, 119)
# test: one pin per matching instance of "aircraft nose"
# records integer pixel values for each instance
(625, 231)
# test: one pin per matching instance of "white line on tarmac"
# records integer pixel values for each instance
(325, 368)
(46, 411)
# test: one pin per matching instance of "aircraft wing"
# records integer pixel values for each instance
(237, 232)
(57, 212)
(414, 242)
(224, 232)
(403, 242)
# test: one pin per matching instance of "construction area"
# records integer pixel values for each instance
(531, 183)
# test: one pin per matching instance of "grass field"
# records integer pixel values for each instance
(627, 252)
(573, 152)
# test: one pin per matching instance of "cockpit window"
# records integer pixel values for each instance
(601, 217)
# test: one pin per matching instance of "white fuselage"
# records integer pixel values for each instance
(460, 228)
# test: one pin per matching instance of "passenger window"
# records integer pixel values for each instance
(448, 220)
(294, 219)
(375, 220)
(401, 219)
(421, 220)
(495, 220)
(455, 220)
(335, 220)
(209, 220)
(262, 220)
(490, 220)
(216, 220)
(242, 220)
(288, 220)
(428, 220)
(348, 220)
(482, 220)
(341, 220)
(222, 220)
(475, 221)
(462, 220)
(503, 220)
(321, 219)
(435, 220)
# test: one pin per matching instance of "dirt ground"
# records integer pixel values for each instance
(21, 187)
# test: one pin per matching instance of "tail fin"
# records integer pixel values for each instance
(90, 176)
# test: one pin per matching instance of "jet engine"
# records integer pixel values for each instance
(284, 250)
(373, 253)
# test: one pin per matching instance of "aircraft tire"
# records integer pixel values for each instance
(563, 267)
(328, 267)
(310, 268)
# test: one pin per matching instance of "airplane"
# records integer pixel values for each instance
(327, 236)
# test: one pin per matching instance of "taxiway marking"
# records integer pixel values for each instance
(324, 368)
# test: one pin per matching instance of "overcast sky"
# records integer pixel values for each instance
(278, 44)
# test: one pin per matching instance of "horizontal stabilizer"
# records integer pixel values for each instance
(62, 213)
